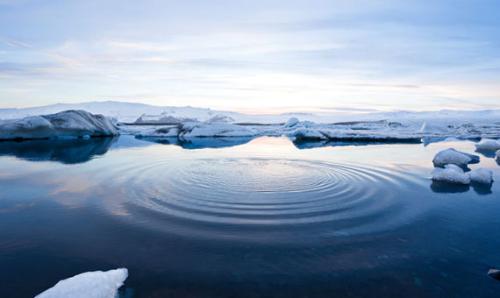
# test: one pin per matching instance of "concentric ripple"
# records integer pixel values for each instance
(237, 197)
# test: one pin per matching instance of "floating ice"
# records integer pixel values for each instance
(483, 176)
(67, 124)
(494, 273)
(97, 284)
(200, 130)
(451, 174)
(307, 133)
(452, 156)
(292, 122)
(488, 144)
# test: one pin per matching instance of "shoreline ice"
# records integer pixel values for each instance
(95, 284)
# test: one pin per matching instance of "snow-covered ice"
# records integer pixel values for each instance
(451, 174)
(97, 284)
(292, 122)
(488, 144)
(481, 175)
(197, 130)
(67, 124)
(334, 126)
(452, 156)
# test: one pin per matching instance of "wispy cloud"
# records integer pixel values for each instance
(248, 55)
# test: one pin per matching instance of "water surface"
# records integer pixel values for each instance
(247, 218)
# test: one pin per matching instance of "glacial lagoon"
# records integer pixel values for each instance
(245, 217)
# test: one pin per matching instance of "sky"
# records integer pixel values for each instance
(254, 56)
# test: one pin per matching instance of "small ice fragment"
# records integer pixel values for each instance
(451, 174)
(483, 176)
(292, 122)
(488, 144)
(494, 273)
(96, 284)
(452, 156)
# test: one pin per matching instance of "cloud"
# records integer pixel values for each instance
(234, 54)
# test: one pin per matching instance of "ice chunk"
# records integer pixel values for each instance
(451, 174)
(292, 122)
(68, 124)
(498, 155)
(452, 156)
(97, 284)
(488, 144)
(200, 130)
(303, 133)
(483, 176)
(219, 118)
(494, 273)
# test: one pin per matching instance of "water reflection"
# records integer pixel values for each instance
(445, 187)
(486, 153)
(63, 151)
(200, 143)
(306, 144)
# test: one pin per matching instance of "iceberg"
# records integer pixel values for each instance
(452, 156)
(488, 144)
(67, 124)
(481, 176)
(201, 130)
(450, 174)
(96, 284)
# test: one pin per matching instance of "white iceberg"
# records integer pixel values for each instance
(451, 174)
(201, 130)
(67, 124)
(488, 144)
(497, 155)
(482, 176)
(452, 156)
(97, 284)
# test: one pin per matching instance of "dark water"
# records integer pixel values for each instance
(245, 218)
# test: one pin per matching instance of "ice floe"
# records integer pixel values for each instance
(452, 156)
(451, 174)
(67, 124)
(481, 176)
(97, 284)
(488, 144)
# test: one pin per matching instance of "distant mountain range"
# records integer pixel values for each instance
(130, 112)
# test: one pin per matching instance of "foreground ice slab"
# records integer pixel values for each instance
(97, 284)
(488, 144)
(494, 273)
(452, 156)
(451, 174)
(482, 176)
(67, 124)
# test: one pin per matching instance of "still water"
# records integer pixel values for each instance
(246, 218)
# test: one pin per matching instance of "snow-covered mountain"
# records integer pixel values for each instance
(130, 112)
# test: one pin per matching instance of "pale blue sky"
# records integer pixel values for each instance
(252, 55)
